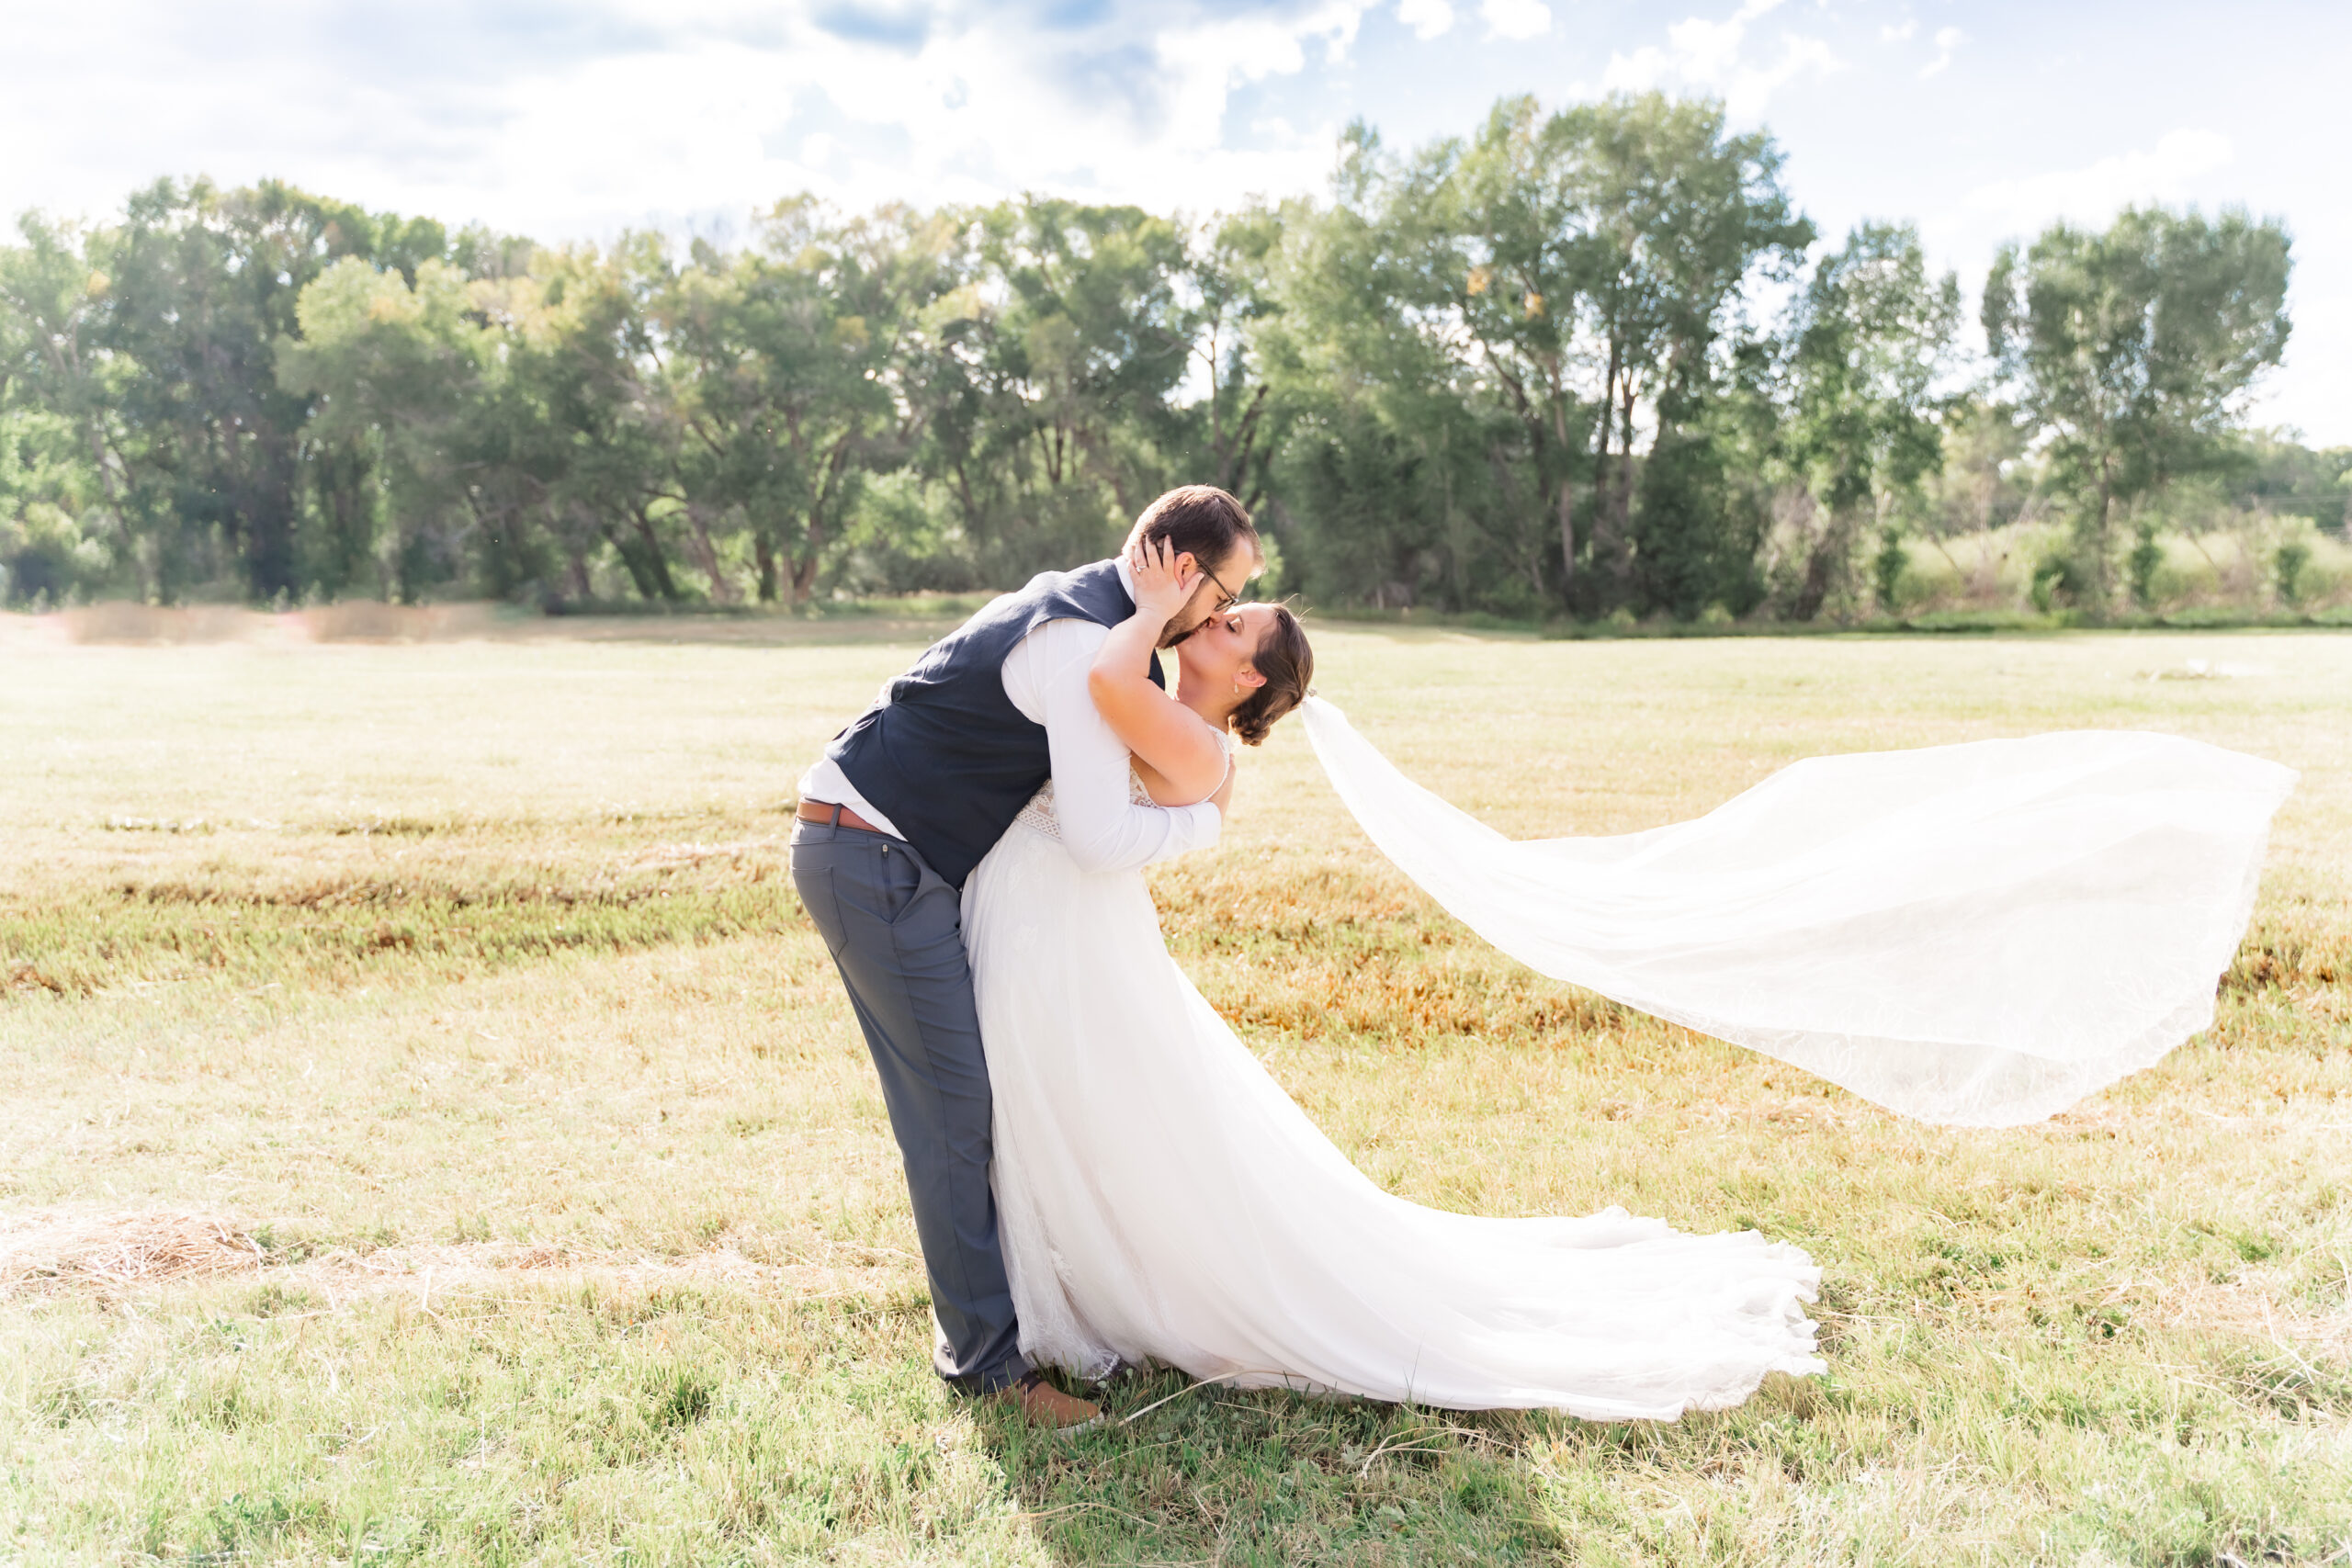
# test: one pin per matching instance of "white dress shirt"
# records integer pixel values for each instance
(1044, 677)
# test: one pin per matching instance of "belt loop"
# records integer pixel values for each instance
(837, 816)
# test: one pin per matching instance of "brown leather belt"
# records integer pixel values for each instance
(833, 816)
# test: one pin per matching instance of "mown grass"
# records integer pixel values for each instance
(464, 981)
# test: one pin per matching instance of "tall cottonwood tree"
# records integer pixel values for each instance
(63, 475)
(1514, 371)
(1225, 269)
(202, 284)
(1511, 235)
(1563, 271)
(1686, 216)
(783, 366)
(1875, 334)
(410, 373)
(2133, 347)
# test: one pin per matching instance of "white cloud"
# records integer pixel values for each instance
(1711, 57)
(676, 113)
(2162, 175)
(1427, 18)
(1211, 58)
(1947, 40)
(1516, 18)
(1898, 35)
(573, 120)
(2314, 389)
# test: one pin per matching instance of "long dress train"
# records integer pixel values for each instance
(1161, 1198)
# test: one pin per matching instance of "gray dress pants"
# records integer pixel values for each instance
(896, 931)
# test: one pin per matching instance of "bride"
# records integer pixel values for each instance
(1161, 1200)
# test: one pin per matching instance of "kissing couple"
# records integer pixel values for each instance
(1103, 1175)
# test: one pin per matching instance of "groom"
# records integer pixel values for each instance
(893, 818)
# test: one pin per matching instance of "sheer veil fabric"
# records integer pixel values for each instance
(1161, 1198)
(1980, 934)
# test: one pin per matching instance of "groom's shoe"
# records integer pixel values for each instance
(1048, 1407)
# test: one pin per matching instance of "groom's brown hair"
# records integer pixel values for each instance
(1202, 519)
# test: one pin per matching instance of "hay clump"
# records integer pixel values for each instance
(118, 1251)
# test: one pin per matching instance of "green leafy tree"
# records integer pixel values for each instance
(1385, 474)
(202, 284)
(1226, 269)
(1482, 311)
(1510, 251)
(1685, 215)
(62, 520)
(410, 373)
(2284, 476)
(1704, 496)
(1073, 348)
(784, 367)
(1513, 371)
(1876, 333)
(592, 425)
(2134, 349)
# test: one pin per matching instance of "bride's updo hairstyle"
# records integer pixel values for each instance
(1288, 662)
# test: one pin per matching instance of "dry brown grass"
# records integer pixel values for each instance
(113, 1252)
(2257, 1304)
(450, 1000)
(121, 1256)
(121, 623)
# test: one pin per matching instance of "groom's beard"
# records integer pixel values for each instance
(1170, 636)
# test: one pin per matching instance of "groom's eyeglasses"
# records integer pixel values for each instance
(1227, 597)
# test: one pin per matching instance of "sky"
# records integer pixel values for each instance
(1979, 122)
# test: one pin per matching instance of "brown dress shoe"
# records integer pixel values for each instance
(1048, 1407)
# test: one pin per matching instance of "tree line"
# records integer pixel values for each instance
(1585, 362)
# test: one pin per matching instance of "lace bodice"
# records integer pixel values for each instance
(1039, 812)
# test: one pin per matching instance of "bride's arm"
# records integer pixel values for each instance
(1162, 731)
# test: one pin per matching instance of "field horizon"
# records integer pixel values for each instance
(917, 618)
(435, 1133)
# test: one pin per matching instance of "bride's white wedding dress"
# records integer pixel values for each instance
(1161, 1198)
(1982, 933)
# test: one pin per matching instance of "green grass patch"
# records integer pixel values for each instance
(435, 1135)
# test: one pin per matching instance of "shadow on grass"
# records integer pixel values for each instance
(1185, 1472)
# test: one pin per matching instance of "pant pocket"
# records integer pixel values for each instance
(867, 886)
(900, 881)
(815, 885)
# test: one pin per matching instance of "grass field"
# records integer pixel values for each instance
(431, 1131)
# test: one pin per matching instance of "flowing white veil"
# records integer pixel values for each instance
(1979, 934)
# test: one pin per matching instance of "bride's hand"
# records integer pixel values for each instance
(1162, 587)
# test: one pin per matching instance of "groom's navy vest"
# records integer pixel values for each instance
(944, 754)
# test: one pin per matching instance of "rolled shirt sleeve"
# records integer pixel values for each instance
(1045, 676)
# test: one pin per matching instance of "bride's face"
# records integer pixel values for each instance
(1218, 655)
